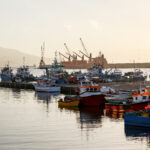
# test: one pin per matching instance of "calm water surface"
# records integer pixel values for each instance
(33, 121)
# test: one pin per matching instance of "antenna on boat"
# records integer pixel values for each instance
(8, 64)
(23, 61)
(42, 63)
(55, 56)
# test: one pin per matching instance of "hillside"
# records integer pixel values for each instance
(15, 58)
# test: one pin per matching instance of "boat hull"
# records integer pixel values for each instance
(46, 88)
(137, 121)
(6, 78)
(125, 107)
(73, 103)
(94, 100)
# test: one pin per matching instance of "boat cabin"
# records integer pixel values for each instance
(143, 96)
(88, 86)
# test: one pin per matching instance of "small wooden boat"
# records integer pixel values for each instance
(69, 101)
(73, 103)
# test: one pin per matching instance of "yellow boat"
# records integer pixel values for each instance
(73, 103)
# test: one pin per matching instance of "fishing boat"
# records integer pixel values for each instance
(69, 101)
(136, 75)
(56, 72)
(136, 102)
(23, 75)
(117, 95)
(117, 72)
(91, 94)
(137, 118)
(6, 74)
(88, 94)
(41, 86)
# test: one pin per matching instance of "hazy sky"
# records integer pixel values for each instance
(118, 28)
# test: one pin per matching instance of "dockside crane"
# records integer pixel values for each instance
(90, 57)
(83, 46)
(67, 48)
(72, 56)
(86, 52)
(42, 63)
(68, 58)
(82, 57)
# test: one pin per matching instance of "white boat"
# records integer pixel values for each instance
(118, 96)
(46, 87)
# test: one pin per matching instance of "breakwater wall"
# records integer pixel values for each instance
(129, 65)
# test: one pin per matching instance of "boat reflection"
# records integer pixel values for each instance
(45, 96)
(16, 92)
(133, 131)
(90, 117)
(114, 115)
(138, 133)
(87, 117)
(69, 109)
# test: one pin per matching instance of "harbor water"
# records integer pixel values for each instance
(33, 121)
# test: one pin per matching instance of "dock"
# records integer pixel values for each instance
(17, 85)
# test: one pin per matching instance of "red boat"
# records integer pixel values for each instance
(134, 103)
(93, 100)
(91, 95)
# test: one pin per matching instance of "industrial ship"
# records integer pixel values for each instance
(77, 60)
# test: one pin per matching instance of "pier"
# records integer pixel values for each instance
(17, 85)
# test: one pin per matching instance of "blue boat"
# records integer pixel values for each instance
(137, 118)
(6, 74)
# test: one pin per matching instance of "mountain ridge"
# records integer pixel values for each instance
(15, 58)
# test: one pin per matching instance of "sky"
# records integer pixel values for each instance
(120, 29)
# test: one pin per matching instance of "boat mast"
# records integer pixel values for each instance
(42, 63)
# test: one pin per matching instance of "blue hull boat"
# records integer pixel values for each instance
(141, 119)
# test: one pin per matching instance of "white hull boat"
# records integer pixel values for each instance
(118, 96)
(46, 87)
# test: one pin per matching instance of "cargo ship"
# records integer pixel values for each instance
(76, 60)
(85, 64)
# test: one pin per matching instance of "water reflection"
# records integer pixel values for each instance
(133, 131)
(71, 109)
(35, 122)
(87, 117)
(137, 133)
(90, 117)
(16, 92)
(114, 115)
(45, 96)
